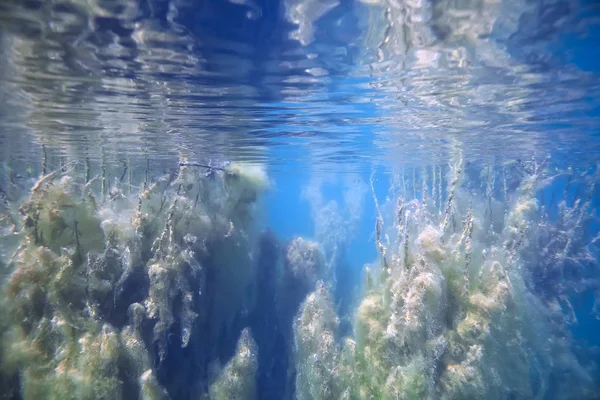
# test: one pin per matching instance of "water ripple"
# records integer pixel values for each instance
(327, 82)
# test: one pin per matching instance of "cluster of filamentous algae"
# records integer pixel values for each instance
(105, 293)
(446, 312)
(173, 293)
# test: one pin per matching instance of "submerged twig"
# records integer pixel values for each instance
(196, 164)
(44, 160)
(125, 169)
(452, 193)
(379, 226)
(50, 177)
(466, 239)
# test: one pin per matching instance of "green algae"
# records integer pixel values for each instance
(102, 296)
(72, 330)
(237, 381)
(446, 314)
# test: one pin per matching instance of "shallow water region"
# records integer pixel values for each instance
(299, 199)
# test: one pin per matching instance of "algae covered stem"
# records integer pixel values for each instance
(209, 167)
(197, 164)
(379, 227)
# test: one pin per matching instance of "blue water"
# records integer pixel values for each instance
(395, 138)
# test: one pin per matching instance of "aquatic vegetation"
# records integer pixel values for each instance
(562, 249)
(99, 288)
(304, 265)
(144, 293)
(447, 312)
(136, 360)
(237, 381)
(316, 348)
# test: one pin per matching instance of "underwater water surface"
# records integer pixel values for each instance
(299, 199)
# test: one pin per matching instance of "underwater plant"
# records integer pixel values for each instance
(448, 311)
(304, 266)
(98, 288)
(316, 349)
(144, 293)
(237, 381)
